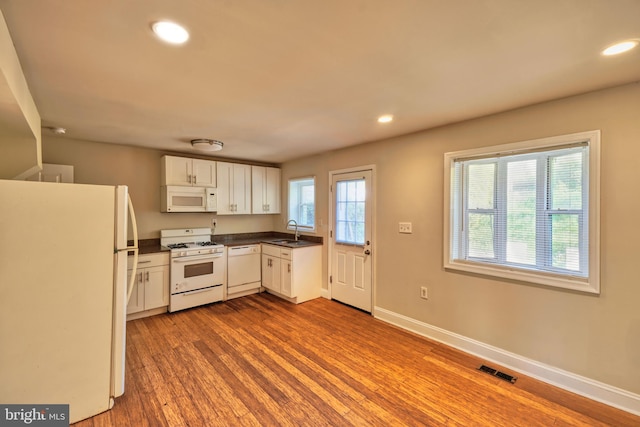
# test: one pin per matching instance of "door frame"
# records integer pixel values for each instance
(330, 230)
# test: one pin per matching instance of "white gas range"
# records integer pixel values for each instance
(198, 267)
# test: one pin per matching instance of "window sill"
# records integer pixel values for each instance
(538, 278)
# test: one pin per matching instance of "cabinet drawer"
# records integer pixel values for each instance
(149, 260)
(285, 253)
(271, 250)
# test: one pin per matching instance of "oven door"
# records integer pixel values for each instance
(196, 272)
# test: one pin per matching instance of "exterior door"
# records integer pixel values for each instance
(351, 246)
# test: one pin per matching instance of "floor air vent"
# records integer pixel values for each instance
(489, 370)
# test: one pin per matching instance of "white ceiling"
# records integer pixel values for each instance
(280, 79)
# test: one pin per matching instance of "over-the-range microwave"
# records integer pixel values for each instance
(188, 199)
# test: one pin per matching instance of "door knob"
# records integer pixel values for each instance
(367, 252)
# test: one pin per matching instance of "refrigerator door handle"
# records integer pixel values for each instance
(134, 248)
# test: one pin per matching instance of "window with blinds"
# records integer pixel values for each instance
(526, 211)
(302, 203)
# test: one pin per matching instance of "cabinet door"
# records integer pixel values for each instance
(272, 190)
(204, 173)
(242, 189)
(156, 287)
(177, 171)
(265, 190)
(271, 272)
(258, 183)
(286, 275)
(224, 178)
(136, 302)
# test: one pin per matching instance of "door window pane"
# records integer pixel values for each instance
(350, 211)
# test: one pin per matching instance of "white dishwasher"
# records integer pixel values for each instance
(244, 275)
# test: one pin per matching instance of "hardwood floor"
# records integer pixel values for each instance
(260, 361)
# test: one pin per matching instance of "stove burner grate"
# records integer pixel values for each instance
(177, 246)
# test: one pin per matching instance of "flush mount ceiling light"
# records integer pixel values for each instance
(170, 32)
(55, 129)
(620, 47)
(206, 144)
(385, 119)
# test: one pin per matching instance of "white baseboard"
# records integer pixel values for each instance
(592, 389)
(324, 293)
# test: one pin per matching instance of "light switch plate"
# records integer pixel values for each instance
(404, 227)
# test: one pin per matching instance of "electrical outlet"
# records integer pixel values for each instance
(404, 227)
(423, 292)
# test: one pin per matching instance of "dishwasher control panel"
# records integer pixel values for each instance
(243, 250)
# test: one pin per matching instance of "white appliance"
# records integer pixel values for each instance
(244, 274)
(198, 267)
(175, 198)
(63, 294)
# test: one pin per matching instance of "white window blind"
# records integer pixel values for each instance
(524, 211)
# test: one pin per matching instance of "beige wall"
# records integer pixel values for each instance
(139, 168)
(594, 336)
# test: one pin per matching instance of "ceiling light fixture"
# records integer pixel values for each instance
(621, 47)
(170, 32)
(385, 119)
(55, 129)
(206, 144)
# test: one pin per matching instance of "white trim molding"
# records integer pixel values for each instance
(592, 389)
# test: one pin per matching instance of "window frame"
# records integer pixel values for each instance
(454, 203)
(289, 204)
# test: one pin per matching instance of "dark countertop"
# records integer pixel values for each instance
(150, 246)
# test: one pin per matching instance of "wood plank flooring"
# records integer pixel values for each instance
(261, 361)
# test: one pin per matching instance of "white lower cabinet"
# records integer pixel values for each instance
(150, 293)
(293, 274)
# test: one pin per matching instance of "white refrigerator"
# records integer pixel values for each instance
(63, 294)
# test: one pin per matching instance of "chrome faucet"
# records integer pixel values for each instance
(296, 224)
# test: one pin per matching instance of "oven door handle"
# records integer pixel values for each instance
(197, 291)
(196, 258)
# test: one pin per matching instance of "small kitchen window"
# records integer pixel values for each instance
(527, 211)
(302, 203)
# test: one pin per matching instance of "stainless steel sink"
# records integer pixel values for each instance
(289, 242)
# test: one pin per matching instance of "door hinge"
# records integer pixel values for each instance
(331, 233)
(330, 279)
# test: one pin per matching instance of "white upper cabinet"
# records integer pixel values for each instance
(265, 186)
(188, 172)
(234, 188)
(204, 173)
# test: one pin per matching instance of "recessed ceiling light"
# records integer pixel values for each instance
(620, 47)
(385, 119)
(170, 32)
